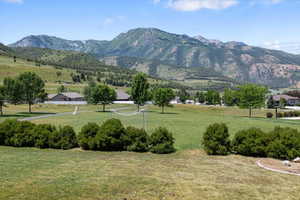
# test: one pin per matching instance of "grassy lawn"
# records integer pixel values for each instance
(187, 122)
(31, 174)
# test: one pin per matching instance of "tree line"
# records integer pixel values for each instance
(29, 88)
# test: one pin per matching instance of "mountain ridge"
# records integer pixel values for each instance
(234, 60)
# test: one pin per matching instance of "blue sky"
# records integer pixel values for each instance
(268, 23)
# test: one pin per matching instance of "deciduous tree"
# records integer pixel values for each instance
(102, 94)
(251, 96)
(32, 88)
(162, 97)
(139, 90)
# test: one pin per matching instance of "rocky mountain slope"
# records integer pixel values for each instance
(177, 53)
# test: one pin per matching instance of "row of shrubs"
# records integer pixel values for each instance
(280, 143)
(284, 114)
(110, 136)
(26, 134)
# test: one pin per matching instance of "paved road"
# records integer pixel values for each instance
(50, 115)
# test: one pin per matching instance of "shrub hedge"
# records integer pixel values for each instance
(289, 114)
(269, 115)
(110, 136)
(138, 139)
(161, 141)
(216, 140)
(26, 134)
(251, 142)
(280, 143)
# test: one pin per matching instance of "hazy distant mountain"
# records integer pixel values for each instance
(235, 60)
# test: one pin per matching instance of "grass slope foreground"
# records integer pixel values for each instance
(52, 174)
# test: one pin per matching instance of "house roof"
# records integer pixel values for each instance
(50, 96)
(283, 96)
(72, 95)
(122, 95)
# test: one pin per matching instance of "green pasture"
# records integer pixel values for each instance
(187, 122)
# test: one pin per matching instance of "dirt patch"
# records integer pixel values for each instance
(278, 166)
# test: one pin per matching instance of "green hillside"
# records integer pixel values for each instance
(234, 60)
(9, 68)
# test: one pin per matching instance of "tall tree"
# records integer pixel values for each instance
(200, 97)
(103, 95)
(2, 98)
(229, 97)
(162, 97)
(139, 90)
(213, 97)
(61, 89)
(32, 88)
(14, 91)
(183, 95)
(251, 96)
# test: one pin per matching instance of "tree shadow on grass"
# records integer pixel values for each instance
(25, 114)
(13, 116)
(36, 113)
(169, 113)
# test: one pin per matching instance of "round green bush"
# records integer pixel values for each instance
(86, 137)
(162, 141)
(63, 138)
(42, 135)
(251, 142)
(284, 143)
(23, 136)
(7, 131)
(138, 139)
(216, 140)
(111, 136)
(269, 115)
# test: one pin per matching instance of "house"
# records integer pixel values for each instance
(290, 101)
(176, 100)
(122, 96)
(67, 96)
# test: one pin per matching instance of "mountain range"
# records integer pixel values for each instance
(182, 57)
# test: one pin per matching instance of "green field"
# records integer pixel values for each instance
(32, 174)
(29, 173)
(187, 122)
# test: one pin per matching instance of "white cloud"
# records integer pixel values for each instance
(194, 5)
(12, 1)
(156, 1)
